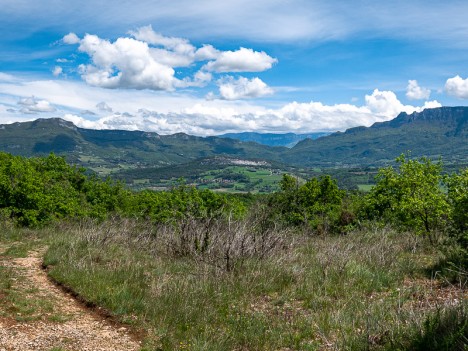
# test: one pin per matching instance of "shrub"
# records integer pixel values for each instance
(410, 197)
(316, 203)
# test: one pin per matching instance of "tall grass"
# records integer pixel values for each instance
(234, 285)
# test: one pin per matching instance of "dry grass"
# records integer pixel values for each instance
(238, 285)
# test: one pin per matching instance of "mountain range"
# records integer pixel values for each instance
(111, 149)
(272, 139)
(439, 132)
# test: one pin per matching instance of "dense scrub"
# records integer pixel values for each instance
(37, 191)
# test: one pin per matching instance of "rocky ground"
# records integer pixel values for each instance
(37, 315)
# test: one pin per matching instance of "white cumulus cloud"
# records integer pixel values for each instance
(71, 38)
(242, 88)
(173, 51)
(457, 86)
(147, 34)
(242, 60)
(415, 92)
(386, 103)
(200, 79)
(82, 122)
(126, 63)
(57, 71)
(31, 105)
(206, 52)
(147, 60)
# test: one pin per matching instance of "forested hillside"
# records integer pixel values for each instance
(439, 132)
(113, 150)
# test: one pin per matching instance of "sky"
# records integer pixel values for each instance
(209, 67)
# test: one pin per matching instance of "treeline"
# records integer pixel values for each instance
(415, 196)
(37, 191)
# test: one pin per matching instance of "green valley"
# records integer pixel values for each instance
(144, 159)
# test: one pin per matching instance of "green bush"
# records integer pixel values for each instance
(36, 191)
(317, 203)
(410, 197)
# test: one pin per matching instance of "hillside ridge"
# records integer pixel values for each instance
(273, 139)
(438, 132)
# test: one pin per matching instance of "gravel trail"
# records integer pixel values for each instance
(66, 325)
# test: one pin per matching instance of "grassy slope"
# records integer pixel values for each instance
(366, 290)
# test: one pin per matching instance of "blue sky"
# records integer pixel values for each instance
(209, 67)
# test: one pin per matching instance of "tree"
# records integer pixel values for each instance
(457, 185)
(315, 203)
(411, 196)
(457, 253)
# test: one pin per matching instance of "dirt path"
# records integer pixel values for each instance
(52, 320)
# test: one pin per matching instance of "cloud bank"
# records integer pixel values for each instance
(208, 119)
(91, 107)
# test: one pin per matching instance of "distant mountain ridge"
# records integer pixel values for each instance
(273, 139)
(115, 149)
(439, 132)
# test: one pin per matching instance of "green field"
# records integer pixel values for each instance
(237, 178)
(365, 187)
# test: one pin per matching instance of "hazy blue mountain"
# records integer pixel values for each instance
(272, 139)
